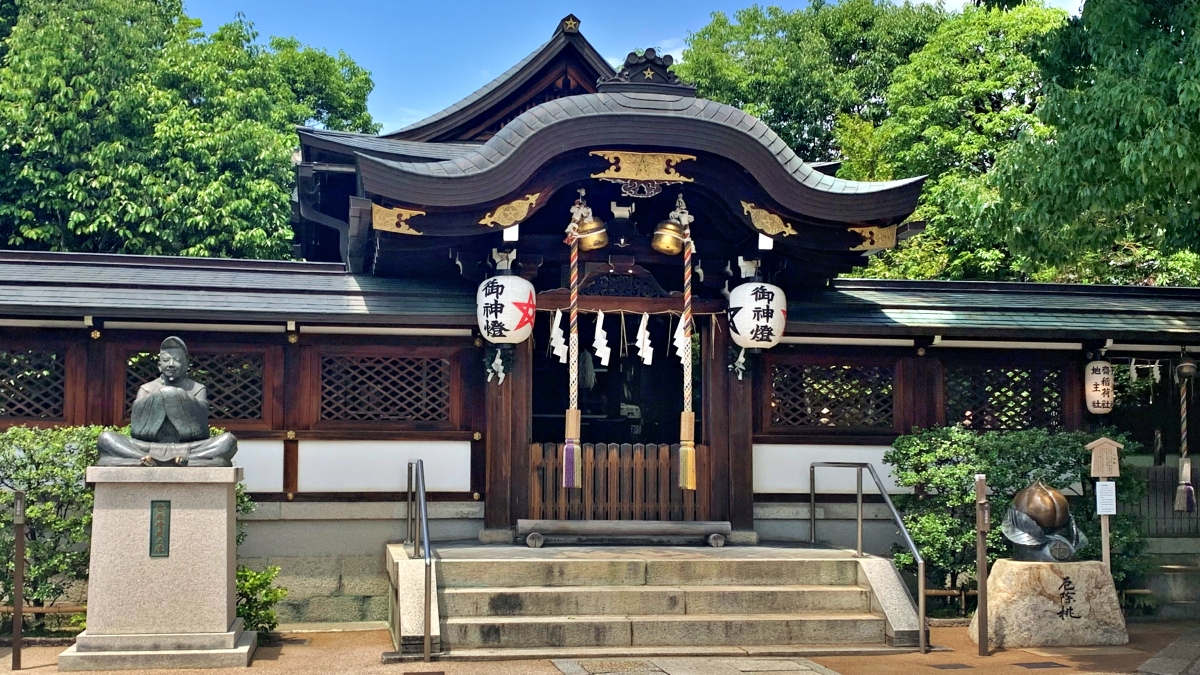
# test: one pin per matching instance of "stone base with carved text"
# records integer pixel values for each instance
(161, 591)
(1037, 604)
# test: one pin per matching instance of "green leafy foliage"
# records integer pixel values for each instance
(49, 465)
(257, 593)
(940, 465)
(257, 596)
(968, 94)
(124, 128)
(1119, 160)
(797, 71)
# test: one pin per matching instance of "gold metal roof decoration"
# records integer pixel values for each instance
(642, 174)
(874, 238)
(767, 222)
(394, 220)
(507, 215)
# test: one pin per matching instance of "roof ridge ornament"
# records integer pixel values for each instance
(647, 72)
(569, 24)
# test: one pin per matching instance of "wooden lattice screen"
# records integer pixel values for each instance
(620, 482)
(842, 396)
(32, 384)
(373, 388)
(1155, 511)
(1004, 398)
(234, 382)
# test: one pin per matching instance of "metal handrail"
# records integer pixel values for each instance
(908, 540)
(419, 538)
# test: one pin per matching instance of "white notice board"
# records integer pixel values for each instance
(1106, 498)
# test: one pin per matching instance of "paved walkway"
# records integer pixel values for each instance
(1182, 657)
(690, 666)
(359, 652)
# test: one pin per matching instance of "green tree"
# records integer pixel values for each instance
(940, 465)
(124, 128)
(969, 93)
(8, 19)
(799, 70)
(1119, 160)
(49, 466)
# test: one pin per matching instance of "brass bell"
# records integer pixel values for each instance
(593, 235)
(668, 238)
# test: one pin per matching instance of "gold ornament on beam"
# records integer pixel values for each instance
(656, 166)
(507, 215)
(394, 220)
(767, 222)
(874, 238)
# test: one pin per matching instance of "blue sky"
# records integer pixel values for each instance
(426, 55)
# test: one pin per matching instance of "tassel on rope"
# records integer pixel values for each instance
(572, 450)
(687, 418)
(1185, 494)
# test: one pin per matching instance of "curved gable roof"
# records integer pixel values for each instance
(479, 102)
(654, 120)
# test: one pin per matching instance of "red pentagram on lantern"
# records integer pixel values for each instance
(528, 311)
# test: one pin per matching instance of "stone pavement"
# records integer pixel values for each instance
(690, 666)
(1182, 657)
(359, 651)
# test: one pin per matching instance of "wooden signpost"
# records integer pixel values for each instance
(18, 593)
(983, 523)
(1106, 464)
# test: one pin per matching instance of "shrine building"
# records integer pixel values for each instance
(500, 290)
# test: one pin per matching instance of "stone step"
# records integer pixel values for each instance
(667, 630)
(651, 600)
(483, 573)
(627, 652)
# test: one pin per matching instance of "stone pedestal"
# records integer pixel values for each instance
(162, 597)
(1036, 604)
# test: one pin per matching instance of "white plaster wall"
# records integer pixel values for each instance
(381, 466)
(262, 464)
(784, 468)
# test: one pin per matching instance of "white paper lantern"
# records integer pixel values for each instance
(505, 307)
(1098, 387)
(757, 314)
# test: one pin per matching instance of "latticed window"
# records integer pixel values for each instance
(32, 384)
(380, 388)
(234, 382)
(1005, 398)
(831, 396)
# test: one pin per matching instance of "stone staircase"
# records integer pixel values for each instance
(1174, 577)
(509, 602)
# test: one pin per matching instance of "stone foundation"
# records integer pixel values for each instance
(331, 554)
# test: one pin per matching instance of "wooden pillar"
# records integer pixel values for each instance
(506, 442)
(1074, 404)
(715, 378)
(741, 447)
(921, 394)
(296, 393)
(98, 409)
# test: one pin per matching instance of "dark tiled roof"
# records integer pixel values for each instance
(56, 285)
(574, 122)
(987, 310)
(379, 146)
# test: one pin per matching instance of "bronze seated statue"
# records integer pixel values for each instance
(169, 421)
(1041, 527)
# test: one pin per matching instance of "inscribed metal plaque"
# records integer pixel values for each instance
(160, 528)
